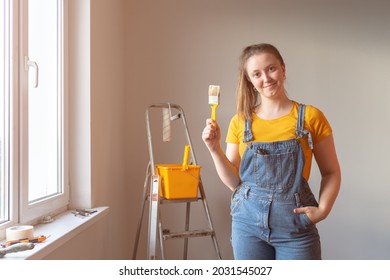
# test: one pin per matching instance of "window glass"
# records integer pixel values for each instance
(4, 93)
(44, 99)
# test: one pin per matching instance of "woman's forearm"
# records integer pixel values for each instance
(227, 172)
(330, 186)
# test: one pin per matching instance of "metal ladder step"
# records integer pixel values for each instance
(185, 234)
(179, 200)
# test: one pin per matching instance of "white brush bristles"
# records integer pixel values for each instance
(214, 94)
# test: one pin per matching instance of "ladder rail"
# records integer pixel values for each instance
(202, 192)
(144, 199)
(208, 215)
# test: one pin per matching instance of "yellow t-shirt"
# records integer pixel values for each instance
(282, 128)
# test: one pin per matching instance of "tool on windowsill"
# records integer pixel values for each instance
(16, 248)
(37, 239)
(85, 212)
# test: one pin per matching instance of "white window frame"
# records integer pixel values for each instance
(11, 85)
(20, 211)
(11, 177)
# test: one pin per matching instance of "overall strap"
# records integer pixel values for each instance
(300, 131)
(248, 136)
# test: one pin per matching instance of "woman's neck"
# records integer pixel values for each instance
(270, 109)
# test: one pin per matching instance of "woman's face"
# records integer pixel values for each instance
(267, 74)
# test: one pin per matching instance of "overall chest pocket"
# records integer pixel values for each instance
(276, 171)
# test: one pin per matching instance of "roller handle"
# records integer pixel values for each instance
(185, 157)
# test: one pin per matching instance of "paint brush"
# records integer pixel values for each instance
(214, 100)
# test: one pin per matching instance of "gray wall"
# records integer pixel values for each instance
(133, 53)
(337, 57)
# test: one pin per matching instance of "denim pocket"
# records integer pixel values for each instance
(238, 195)
(306, 219)
(300, 223)
(283, 219)
(306, 198)
(276, 171)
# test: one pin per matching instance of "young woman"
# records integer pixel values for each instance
(270, 144)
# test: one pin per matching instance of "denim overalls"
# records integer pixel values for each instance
(263, 223)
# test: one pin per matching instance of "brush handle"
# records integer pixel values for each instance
(214, 112)
(186, 156)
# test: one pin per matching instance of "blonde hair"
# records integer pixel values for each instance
(247, 95)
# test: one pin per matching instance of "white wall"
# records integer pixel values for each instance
(109, 121)
(337, 56)
(97, 121)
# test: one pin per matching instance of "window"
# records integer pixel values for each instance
(4, 110)
(33, 100)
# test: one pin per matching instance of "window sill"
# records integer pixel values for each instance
(65, 226)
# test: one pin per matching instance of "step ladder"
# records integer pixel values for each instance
(152, 187)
